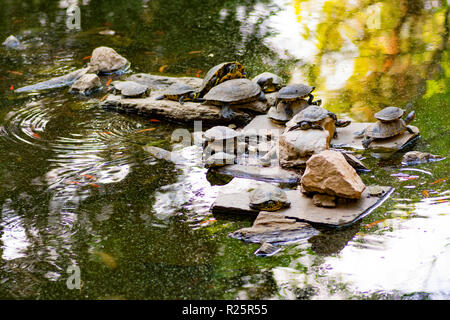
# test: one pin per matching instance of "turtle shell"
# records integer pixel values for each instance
(389, 114)
(382, 130)
(218, 71)
(130, 88)
(178, 88)
(312, 114)
(220, 133)
(268, 81)
(234, 91)
(295, 91)
(268, 198)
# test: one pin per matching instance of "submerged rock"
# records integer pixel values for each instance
(11, 42)
(328, 172)
(86, 84)
(272, 227)
(416, 157)
(105, 60)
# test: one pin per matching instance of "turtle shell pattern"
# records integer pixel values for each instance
(389, 114)
(383, 130)
(219, 71)
(235, 91)
(295, 91)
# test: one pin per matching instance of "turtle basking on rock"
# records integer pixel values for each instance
(234, 92)
(311, 118)
(295, 92)
(220, 73)
(269, 82)
(180, 92)
(389, 124)
(268, 197)
(130, 89)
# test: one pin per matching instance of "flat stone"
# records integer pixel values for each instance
(328, 172)
(161, 83)
(270, 174)
(395, 143)
(172, 110)
(302, 207)
(272, 227)
(262, 125)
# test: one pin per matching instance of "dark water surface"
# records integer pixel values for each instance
(78, 189)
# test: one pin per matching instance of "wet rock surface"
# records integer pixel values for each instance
(328, 172)
(106, 60)
(272, 227)
(86, 84)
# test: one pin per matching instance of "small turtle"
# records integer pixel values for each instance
(180, 92)
(220, 73)
(219, 159)
(389, 125)
(234, 92)
(310, 118)
(375, 191)
(130, 89)
(293, 93)
(268, 197)
(268, 82)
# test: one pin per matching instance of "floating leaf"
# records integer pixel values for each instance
(162, 68)
(145, 130)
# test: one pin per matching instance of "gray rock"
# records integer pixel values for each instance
(105, 60)
(86, 84)
(416, 157)
(11, 42)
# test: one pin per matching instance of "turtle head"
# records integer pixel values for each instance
(194, 95)
(305, 125)
(410, 117)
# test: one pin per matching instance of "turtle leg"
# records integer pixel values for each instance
(288, 110)
(160, 97)
(317, 102)
(359, 134)
(297, 126)
(367, 142)
(262, 97)
(181, 100)
(227, 113)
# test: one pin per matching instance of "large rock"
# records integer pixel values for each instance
(107, 60)
(86, 84)
(328, 172)
(295, 147)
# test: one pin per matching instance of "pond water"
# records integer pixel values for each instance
(77, 189)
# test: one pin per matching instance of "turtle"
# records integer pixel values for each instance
(268, 197)
(310, 118)
(389, 124)
(234, 92)
(294, 92)
(130, 89)
(219, 159)
(220, 73)
(180, 92)
(268, 82)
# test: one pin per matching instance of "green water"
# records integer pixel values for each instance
(77, 188)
